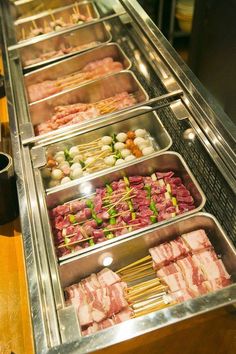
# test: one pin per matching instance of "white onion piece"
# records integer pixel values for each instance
(57, 174)
(106, 140)
(65, 180)
(139, 141)
(76, 173)
(120, 161)
(121, 137)
(59, 158)
(109, 160)
(75, 165)
(147, 150)
(46, 172)
(74, 150)
(125, 153)
(106, 148)
(130, 158)
(90, 160)
(63, 164)
(119, 146)
(140, 133)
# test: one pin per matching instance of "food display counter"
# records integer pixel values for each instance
(125, 175)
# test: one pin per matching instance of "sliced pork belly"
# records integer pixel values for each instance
(216, 284)
(84, 312)
(196, 240)
(124, 315)
(172, 268)
(161, 255)
(200, 289)
(175, 281)
(215, 270)
(191, 272)
(204, 257)
(183, 295)
(107, 277)
(179, 249)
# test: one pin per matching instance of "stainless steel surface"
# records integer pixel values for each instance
(206, 140)
(23, 27)
(126, 251)
(160, 138)
(96, 34)
(76, 64)
(26, 8)
(168, 161)
(89, 93)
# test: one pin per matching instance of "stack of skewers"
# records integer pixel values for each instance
(186, 267)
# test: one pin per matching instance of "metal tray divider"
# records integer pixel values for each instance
(77, 127)
(48, 36)
(119, 118)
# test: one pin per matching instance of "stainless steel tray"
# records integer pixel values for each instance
(26, 8)
(168, 161)
(92, 92)
(23, 27)
(76, 63)
(149, 121)
(136, 247)
(86, 37)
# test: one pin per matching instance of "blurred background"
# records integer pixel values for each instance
(204, 34)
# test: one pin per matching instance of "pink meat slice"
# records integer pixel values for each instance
(179, 249)
(216, 284)
(191, 272)
(175, 281)
(196, 240)
(107, 277)
(183, 295)
(124, 315)
(172, 268)
(204, 257)
(84, 312)
(215, 270)
(161, 255)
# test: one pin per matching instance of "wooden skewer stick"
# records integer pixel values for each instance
(146, 292)
(23, 33)
(103, 153)
(77, 8)
(148, 309)
(34, 24)
(78, 199)
(74, 243)
(147, 258)
(139, 266)
(52, 16)
(126, 194)
(134, 287)
(122, 227)
(130, 279)
(143, 286)
(140, 270)
(141, 304)
(94, 141)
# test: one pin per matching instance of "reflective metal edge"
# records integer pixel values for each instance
(70, 192)
(42, 333)
(210, 116)
(65, 31)
(156, 320)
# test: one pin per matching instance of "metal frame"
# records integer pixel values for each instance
(215, 133)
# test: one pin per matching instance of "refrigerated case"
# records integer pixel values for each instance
(177, 113)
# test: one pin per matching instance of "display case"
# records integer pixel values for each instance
(91, 136)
